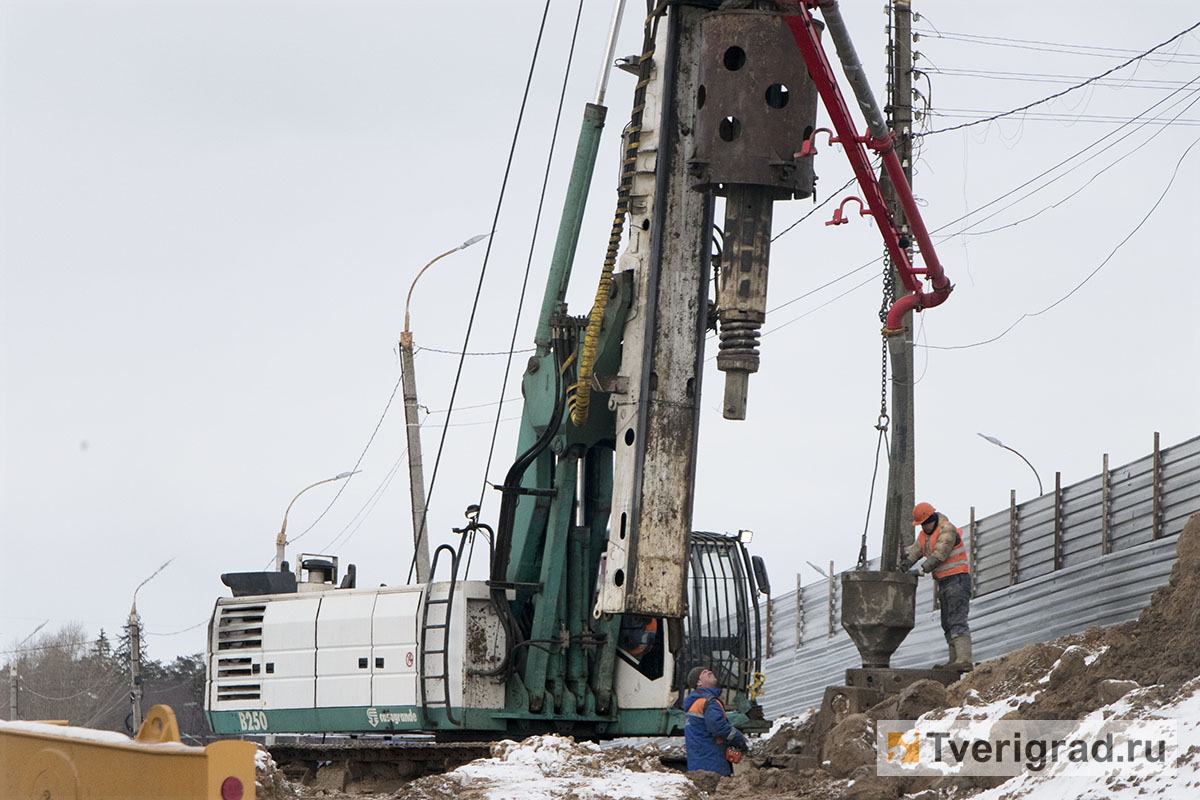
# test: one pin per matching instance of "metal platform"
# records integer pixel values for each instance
(891, 681)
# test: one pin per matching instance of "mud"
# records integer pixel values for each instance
(1160, 648)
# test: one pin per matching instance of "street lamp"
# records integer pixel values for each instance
(412, 425)
(135, 653)
(281, 539)
(999, 443)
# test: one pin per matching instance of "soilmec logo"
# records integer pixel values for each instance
(385, 717)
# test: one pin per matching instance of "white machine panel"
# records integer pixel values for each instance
(344, 658)
(289, 658)
(394, 651)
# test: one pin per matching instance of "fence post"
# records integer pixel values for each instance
(1012, 536)
(832, 598)
(974, 552)
(1156, 523)
(1058, 521)
(799, 612)
(1105, 491)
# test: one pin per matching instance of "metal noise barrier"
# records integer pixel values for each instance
(1117, 530)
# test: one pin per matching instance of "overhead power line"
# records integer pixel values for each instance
(1069, 89)
(1051, 47)
(1090, 275)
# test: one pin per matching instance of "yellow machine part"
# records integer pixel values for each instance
(41, 761)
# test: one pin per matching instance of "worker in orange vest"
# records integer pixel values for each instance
(940, 544)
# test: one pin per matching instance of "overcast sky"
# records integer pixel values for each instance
(210, 213)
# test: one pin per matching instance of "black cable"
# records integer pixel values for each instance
(816, 208)
(562, 97)
(1080, 85)
(1090, 275)
(1066, 160)
(350, 477)
(969, 232)
(479, 289)
(1053, 47)
(460, 353)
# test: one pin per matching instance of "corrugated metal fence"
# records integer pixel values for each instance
(1082, 555)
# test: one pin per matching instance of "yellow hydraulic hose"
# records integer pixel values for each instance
(580, 393)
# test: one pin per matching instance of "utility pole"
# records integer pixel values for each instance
(135, 666)
(901, 492)
(416, 475)
(12, 673)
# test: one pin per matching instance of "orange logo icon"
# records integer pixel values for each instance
(906, 752)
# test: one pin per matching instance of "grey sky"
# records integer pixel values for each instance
(211, 212)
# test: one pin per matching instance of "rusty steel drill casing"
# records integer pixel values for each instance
(755, 107)
(878, 611)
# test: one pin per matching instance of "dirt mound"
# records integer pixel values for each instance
(1161, 648)
(775, 784)
(269, 782)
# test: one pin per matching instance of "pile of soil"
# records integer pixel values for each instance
(1160, 648)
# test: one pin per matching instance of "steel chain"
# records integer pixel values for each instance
(889, 296)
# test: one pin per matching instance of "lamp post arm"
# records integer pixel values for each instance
(1026, 460)
(408, 299)
(281, 539)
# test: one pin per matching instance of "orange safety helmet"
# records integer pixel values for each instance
(922, 512)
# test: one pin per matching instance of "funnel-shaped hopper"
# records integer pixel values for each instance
(878, 611)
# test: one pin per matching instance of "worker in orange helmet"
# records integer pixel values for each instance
(940, 546)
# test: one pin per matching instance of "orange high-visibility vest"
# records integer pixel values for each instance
(955, 563)
(696, 709)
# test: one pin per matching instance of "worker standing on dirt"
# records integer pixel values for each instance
(707, 734)
(940, 545)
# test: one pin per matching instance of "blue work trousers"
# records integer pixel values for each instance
(954, 597)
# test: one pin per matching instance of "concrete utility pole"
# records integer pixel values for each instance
(901, 492)
(12, 673)
(412, 425)
(416, 474)
(135, 666)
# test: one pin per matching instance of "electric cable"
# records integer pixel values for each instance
(479, 287)
(537, 221)
(817, 207)
(420, 348)
(1052, 47)
(968, 232)
(1090, 275)
(350, 477)
(1080, 85)
(1061, 163)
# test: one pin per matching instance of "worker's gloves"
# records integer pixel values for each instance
(927, 566)
(905, 565)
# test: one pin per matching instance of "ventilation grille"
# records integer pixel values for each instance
(240, 627)
(234, 667)
(239, 691)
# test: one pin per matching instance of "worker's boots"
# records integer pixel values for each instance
(953, 655)
(961, 650)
